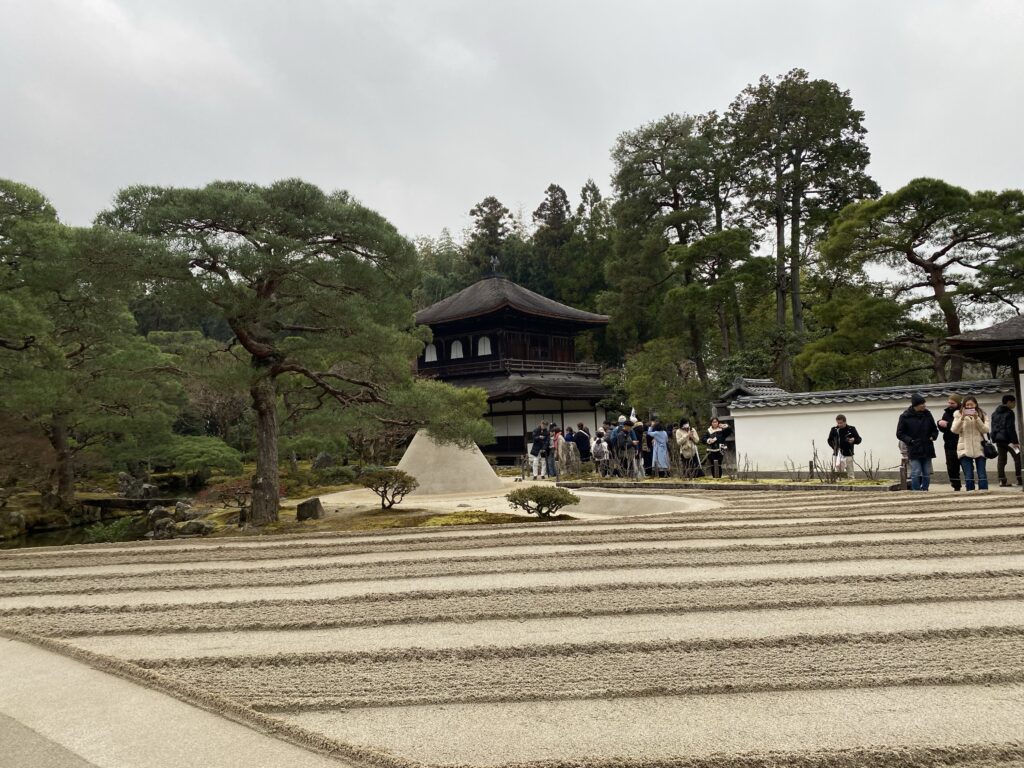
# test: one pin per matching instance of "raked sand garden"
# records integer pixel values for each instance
(760, 628)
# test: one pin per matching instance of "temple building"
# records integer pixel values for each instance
(519, 347)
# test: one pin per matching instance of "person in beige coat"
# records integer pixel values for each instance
(687, 441)
(971, 425)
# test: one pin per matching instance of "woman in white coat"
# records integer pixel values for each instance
(970, 423)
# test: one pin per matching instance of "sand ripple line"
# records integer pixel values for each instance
(548, 534)
(602, 670)
(547, 602)
(567, 561)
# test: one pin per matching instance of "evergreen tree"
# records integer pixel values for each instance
(316, 290)
(800, 143)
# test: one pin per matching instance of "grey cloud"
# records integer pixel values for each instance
(421, 109)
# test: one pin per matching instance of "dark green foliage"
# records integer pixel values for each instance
(71, 361)
(542, 500)
(392, 485)
(335, 475)
(121, 529)
(314, 288)
(948, 246)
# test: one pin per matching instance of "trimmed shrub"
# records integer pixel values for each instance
(540, 500)
(392, 485)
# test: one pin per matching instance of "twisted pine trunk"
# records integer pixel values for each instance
(266, 481)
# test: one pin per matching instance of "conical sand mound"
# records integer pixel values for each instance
(442, 469)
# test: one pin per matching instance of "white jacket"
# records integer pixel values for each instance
(971, 430)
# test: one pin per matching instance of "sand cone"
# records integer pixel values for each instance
(443, 469)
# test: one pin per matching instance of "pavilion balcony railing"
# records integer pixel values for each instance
(479, 367)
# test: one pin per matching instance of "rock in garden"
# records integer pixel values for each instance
(194, 527)
(164, 528)
(324, 460)
(128, 486)
(310, 509)
(149, 491)
(158, 513)
(183, 511)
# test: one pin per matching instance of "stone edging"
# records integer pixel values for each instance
(684, 486)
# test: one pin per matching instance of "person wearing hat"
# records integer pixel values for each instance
(917, 429)
(950, 439)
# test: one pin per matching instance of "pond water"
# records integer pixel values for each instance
(81, 534)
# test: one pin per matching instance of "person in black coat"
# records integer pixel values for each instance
(949, 441)
(1004, 435)
(582, 440)
(841, 439)
(539, 447)
(918, 431)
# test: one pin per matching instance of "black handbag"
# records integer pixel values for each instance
(989, 448)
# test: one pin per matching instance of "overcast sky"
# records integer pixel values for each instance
(422, 108)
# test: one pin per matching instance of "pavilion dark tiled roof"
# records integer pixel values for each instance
(565, 386)
(496, 293)
(903, 392)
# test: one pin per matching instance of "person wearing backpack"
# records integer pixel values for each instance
(599, 450)
(618, 444)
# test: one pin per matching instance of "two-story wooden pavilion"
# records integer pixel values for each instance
(519, 347)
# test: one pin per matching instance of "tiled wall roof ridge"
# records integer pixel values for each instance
(900, 392)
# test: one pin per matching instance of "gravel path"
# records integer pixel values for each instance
(763, 629)
(912, 727)
(519, 631)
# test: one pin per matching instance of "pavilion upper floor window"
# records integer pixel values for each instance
(483, 346)
(430, 354)
(456, 353)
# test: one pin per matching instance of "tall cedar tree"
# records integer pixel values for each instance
(801, 144)
(492, 224)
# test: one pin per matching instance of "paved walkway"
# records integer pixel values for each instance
(57, 712)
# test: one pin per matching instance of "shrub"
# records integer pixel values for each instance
(542, 501)
(120, 529)
(335, 475)
(392, 485)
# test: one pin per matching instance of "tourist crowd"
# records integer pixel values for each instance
(633, 448)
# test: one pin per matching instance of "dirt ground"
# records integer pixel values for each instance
(739, 628)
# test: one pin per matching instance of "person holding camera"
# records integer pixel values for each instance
(687, 442)
(970, 424)
(841, 439)
(917, 429)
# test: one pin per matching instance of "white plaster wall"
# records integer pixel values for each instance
(770, 436)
